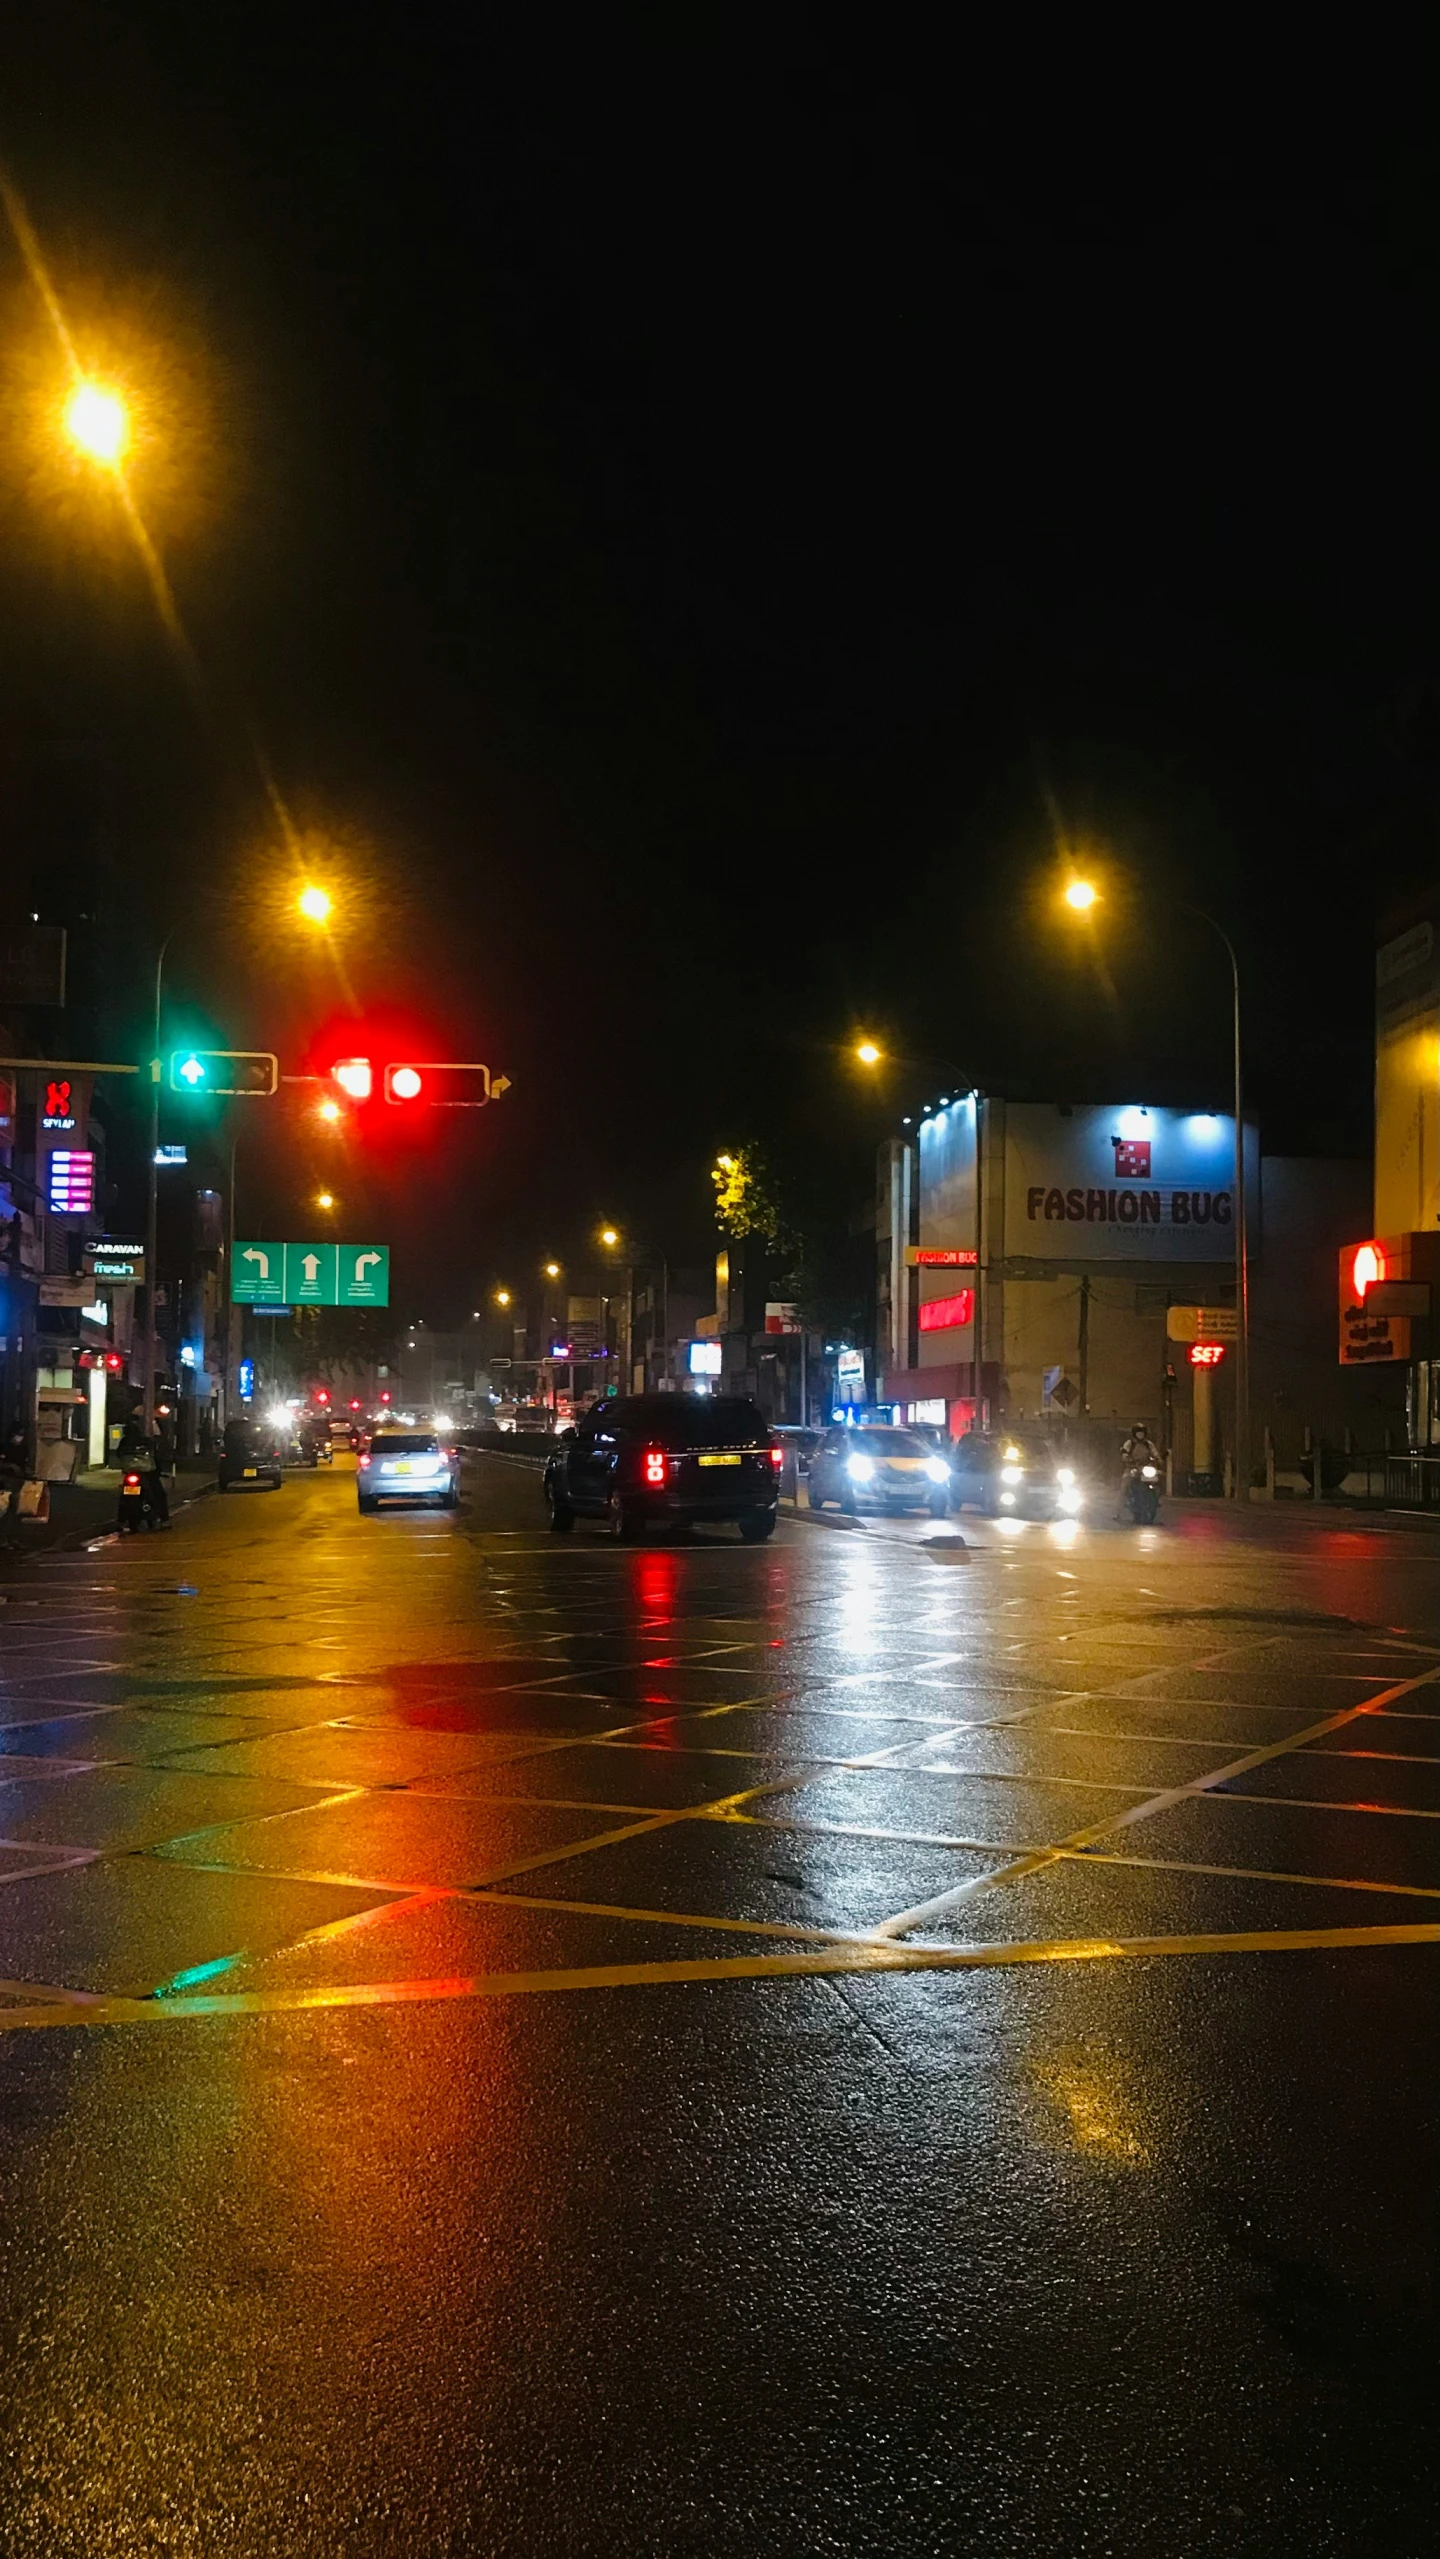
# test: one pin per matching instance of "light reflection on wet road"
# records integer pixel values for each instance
(697, 2048)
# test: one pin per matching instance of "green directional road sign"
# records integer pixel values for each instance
(311, 1275)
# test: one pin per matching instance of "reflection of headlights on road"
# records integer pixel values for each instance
(860, 1469)
(1008, 1501)
(937, 1470)
(1064, 1474)
(1069, 1498)
(1012, 1474)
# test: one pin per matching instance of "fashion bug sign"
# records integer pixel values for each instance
(1121, 1182)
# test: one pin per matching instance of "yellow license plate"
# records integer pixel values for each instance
(904, 1465)
(402, 1465)
(252, 1470)
(729, 1459)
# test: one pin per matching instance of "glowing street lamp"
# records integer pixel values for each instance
(609, 1238)
(324, 1199)
(315, 904)
(98, 422)
(1082, 895)
(552, 1270)
(868, 1053)
(502, 1296)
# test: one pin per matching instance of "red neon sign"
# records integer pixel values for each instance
(943, 1313)
(1206, 1354)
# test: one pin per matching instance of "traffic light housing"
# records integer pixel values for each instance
(226, 1071)
(443, 1086)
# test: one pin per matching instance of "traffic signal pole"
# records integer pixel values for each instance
(152, 1205)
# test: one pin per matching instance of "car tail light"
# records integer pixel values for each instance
(365, 1461)
(777, 1456)
(654, 1467)
(131, 1484)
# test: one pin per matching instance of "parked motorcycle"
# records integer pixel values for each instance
(139, 1505)
(1140, 1495)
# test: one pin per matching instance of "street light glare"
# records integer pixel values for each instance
(552, 1270)
(1082, 895)
(324, 1199)
(608, 1235)
(329, 1110)
(96, 420)
(868, 1053)
(502, 1296)
(315, 904)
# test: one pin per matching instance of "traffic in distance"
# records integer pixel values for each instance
(639, 1461)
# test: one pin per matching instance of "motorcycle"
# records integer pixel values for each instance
(138, 1507)
(1140, 1495)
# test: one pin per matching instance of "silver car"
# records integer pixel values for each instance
(407, 1466)
(878, 1469)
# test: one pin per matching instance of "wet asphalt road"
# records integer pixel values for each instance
(523, 2045)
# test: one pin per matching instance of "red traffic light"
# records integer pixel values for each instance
(355, 1404)
(355, 1076)
(445, 1085)
(322, 1394)
(384, 1394)
(1367, 1266)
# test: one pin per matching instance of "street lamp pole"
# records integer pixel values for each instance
(1081, 896)
(1242, 1251)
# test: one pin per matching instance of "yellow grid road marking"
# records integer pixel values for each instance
(903, 1921)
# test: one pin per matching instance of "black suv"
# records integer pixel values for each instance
(667, 1457)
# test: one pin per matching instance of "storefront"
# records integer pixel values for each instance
(1056, 1235)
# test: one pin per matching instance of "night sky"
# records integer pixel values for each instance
(691, 519)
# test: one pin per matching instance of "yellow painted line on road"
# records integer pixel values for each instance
(401, 1887)
(679, 1918)
(1331, 1804)
(870, 1958)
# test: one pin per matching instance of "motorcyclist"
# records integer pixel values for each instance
(1137, 1449)
(141, 1453)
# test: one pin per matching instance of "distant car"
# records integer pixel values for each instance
(250, 1455)
(801, 1439)
(1000, 1471)
(407, 1466)
(879, 1468)
(643, 1459)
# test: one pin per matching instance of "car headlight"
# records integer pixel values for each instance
(937, 1470)
(1064, 1474)
(861, 1470)
(1007, 1501)
(1012, 1474)
(1069, 1498)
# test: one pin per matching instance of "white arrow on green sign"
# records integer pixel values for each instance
(317, 1274)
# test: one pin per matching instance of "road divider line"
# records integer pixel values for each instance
(854, 1959)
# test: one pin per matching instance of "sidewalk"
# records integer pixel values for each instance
(86, 1507)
